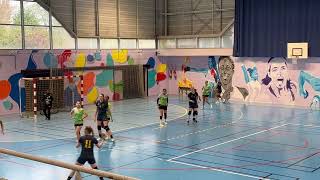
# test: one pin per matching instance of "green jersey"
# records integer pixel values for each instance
(109, 110)
(78, 114)
(163, 100)
(206, 90)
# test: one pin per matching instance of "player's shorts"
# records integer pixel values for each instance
(102, 117)
(75, 125)
(205, 95)
(163, 107)
(193, 105)
(83, 160)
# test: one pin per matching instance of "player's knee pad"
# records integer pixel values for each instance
(160, 117)
(189, 113)
(99, 128)
(195, 113)
(107, 128)
(165, 115)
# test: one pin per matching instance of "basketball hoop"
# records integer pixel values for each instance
(297, 51)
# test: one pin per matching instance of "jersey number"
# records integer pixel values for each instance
(87, 144)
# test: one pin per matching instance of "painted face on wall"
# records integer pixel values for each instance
(226, 71)
(278, 72)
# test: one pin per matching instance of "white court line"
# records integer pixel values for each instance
(219, 170)
(125, 129)
(204, 130)
(226, 142)
(232, 122)
(185, 113)
(200, 131)
(305, 125)
(156, 122)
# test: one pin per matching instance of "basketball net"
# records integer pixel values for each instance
(295, 59)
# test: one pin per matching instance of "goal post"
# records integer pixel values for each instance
(63, 100)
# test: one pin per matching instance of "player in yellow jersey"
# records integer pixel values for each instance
(162, 102)
(206, 89)
(78, 114)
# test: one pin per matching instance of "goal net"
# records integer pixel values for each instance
(64, 90)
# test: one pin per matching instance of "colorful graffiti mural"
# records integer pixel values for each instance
(250, 80)
(97, 81)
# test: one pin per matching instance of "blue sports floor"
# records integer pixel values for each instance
(231, 141)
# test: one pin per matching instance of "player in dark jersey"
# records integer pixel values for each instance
(193, 104)
(218, 91)
(87, 142)
(47, 100)
(102, 117)
(1, 126)
(108, 118)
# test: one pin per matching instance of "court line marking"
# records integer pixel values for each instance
(219, 170)
(305, 125)
(226, 142)
(204, 130)
(185, 113)
(230, 123)
(114, 132)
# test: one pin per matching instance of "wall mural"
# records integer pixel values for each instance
(307, 78)
(252, 80)
(97, 81)
(156, 73)
(183, 81)
(226, 71)
(249, 80)
(277, 82)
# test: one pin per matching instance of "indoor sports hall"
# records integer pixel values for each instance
(159, 89)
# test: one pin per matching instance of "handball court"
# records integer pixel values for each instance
(230, 141)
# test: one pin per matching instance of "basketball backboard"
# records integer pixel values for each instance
(297, 51)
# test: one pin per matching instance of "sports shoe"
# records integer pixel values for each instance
(165, 123)
(112, 140)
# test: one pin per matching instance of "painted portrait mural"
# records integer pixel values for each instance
(226, 71)
(266, 80)
(277, 82)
